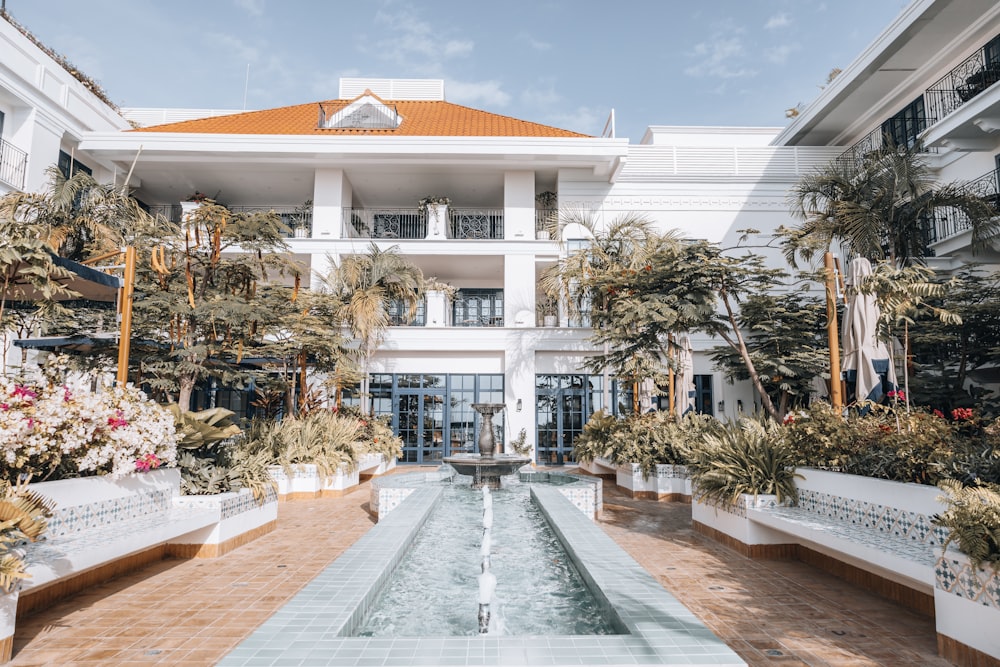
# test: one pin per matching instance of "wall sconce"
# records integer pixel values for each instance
(739, 406)
(722, 407)
(519, 405)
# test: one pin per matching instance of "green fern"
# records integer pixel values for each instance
(973, 517)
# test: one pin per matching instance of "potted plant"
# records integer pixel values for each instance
(545, 213)
(436, 209)
(548, 310)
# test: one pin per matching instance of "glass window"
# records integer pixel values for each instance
(69, 165)
(992, 51)
(903, 128)
(478, 308)
(399, 314)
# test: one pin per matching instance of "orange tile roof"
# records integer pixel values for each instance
(420, 119)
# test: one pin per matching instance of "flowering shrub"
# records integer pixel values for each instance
(65, 430)
(923, 447)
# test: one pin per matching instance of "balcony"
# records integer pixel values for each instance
(411, 223)
(298, 219)
(13, 165)
(962, 84)
(950, 222)
(861, 153)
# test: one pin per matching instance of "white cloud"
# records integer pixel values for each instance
(541, 98)
(251, 7)
(721, 57)
(581, 119)
(778, 21)
(476, 93)
(779, 54)
(232, 45)
(534, 42)
(414, 44)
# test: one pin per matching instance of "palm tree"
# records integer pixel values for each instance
(366, 285)
(880, 207)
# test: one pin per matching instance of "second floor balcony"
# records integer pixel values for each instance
(415, 223)
(965, 81)
(13, 165)
(949, 222)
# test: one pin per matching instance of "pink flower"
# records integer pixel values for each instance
(118, 421)
(938, 413)
(147, 462)
(24, 392)
(67, 394)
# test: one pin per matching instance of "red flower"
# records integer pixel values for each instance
(961, 414)
(789, 419)
(938, 413)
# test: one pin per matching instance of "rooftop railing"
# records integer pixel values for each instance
(13, 164)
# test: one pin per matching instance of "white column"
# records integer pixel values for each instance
(331, 195)
(437, 221)
(519, 205)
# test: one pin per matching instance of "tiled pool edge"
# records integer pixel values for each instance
(309, 629)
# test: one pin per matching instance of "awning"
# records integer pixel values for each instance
(89, 283)
(79, 343)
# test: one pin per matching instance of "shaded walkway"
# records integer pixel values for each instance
(193, 612)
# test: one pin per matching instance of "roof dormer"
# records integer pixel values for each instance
(366, 112)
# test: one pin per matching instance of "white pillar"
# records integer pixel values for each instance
(519, 205)
(331, 196)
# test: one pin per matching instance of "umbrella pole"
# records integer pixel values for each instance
(125, 337)
(836, 399)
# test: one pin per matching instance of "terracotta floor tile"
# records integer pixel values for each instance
(190, 613)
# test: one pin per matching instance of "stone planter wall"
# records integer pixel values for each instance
(967, 611)
(242, 520)
(730, 525)
(305, 482)
(668, 482)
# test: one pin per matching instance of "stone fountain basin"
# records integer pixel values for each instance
(475, 465)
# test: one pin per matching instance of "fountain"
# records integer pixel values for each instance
(486, 468)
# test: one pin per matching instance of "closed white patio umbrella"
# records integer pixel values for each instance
(865, 360)
(684, 389)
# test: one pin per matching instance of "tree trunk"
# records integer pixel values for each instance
(185, 387)
(741, 347)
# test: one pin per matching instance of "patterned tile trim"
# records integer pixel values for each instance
(71, 520)
(230, 504)
(911, 526)
(960, 578)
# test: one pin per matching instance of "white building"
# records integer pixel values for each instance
(368, 156)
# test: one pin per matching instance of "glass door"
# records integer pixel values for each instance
(561, 412)
(422, 426)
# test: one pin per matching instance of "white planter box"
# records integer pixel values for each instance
(242, 519)
(667, 482)
(305, 481)
(967, 605)
(599, 467)
(373, 465)
(732, 520)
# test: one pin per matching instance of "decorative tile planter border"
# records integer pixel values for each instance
(967, 611)
(668, 482)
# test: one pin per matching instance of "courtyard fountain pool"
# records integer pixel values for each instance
(434, 589)
(617, 614)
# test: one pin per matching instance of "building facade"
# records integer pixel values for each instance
(353, 170)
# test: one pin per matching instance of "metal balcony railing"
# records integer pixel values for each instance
(13, 164)
(862, 152)
(478, 308)
(971, 77)
(385, 223)
(543, 219)
(297, 218)
(948, 221)
(475, 223)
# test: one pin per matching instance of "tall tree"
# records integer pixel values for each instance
(202, 288)
(629, 281)
(364, 287)
(786, 343)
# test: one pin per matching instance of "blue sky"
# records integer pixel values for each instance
(565, 63)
